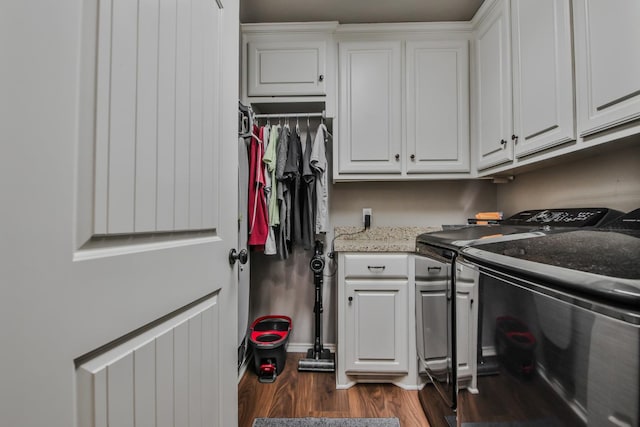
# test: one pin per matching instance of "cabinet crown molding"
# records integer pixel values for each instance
(289, 27)
(405, 27)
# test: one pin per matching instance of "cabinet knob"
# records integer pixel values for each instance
(413, 157)
(503, 142)
(321, 78)
(350, 299)
(514, 138)
(397, 156)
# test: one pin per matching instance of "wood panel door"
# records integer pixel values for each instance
(123, 130)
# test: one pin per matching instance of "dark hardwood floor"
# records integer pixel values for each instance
(314, 394)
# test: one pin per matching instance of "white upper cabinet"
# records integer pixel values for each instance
(370, 107)
(543, 113)
(403, 108)
(493, 84)
(607, 54)
(437, 113)
(290, 65)
(286, 68)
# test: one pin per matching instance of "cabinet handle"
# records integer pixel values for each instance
(434, 268)
(413, 157)
(503, 142)
(514, 138)
(321, 77)
(397, 156)
(376, 267)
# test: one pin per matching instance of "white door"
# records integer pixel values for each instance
(493, 80)
(370, 107)
(377, 321)
(607, 64)
(118, 163)
(543, 108)
(437, 94)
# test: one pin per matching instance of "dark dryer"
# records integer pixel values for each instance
(578, 295)
(439, 271)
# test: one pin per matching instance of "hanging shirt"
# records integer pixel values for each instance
(307, 195)
(282, 190)
(319, 164)
(271, 196)
(258, 226)
(270, 160)
(292, 175)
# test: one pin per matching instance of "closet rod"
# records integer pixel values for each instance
(289, 115)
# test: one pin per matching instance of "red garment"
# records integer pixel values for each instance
(258, 222)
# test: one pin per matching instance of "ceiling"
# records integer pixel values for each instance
(357, 11)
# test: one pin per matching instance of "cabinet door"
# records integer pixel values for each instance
(281, 68)
(607, 63)
(437, 93)
(543, 110)
(376, 326)
(432, 318)
(493, 101)
(370, 116)
(464, 318)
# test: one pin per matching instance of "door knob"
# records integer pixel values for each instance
(241, 256)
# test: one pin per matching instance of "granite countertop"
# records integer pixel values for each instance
(378, 239)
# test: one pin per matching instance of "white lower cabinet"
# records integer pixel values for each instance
(374, 343)
(392, 308)
(432, 284)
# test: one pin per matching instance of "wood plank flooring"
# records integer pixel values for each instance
(314, 394)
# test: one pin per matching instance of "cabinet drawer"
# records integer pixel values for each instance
(429, 269)
(370, 266)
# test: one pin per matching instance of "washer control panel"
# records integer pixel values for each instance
(570, 217)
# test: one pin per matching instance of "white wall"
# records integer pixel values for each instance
(286, 287)
(610, 179)
(411, 203)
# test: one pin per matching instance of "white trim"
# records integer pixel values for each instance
(408, 27)
(287, 27)
(483, 12)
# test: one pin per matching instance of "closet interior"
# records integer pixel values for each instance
(284, 193)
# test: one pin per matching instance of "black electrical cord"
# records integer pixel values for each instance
(331, 254)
